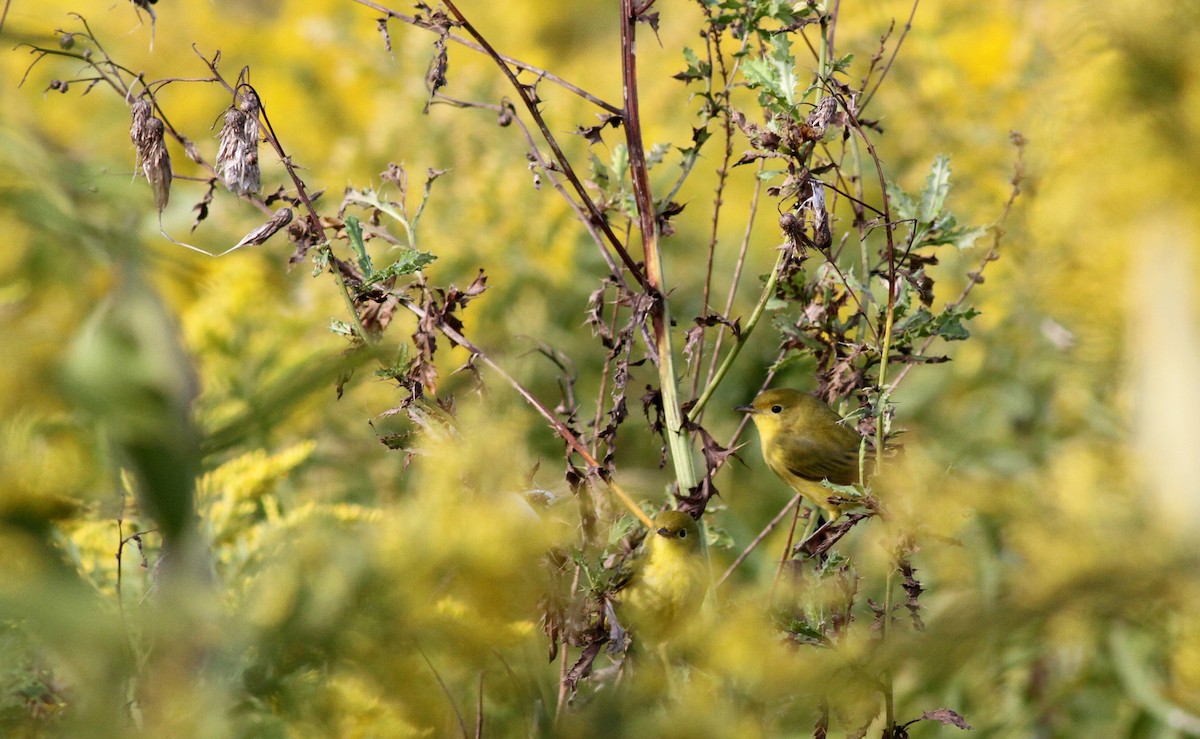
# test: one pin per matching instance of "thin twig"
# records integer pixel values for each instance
(559, 427)
(888, 67)
(758, 539)
(768, 292)
(998, 233)
(479, 709)
(739, 264)
(560, 158)
(565, 664)
(538, 71)
(462, 722)
(713, 41)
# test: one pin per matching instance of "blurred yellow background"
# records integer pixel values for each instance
(1052, 464)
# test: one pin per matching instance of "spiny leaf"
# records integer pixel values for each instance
(696, 69)
(937, 187)
(411, 261)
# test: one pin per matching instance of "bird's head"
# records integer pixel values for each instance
(676, 530)
(781, 408)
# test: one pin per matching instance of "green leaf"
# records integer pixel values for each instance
(354, 233)
(601, 174)
(620, 162)
(341, 328)
(774, 74)
(411, 261)
(786, 66)
(916, 324)
(903, 207)
(937, 187)
(657, 152)
(965, 238)
(774, 303)
(759, 73)
(696, 68)
(320, 259)
(948, 325)
(399, 367)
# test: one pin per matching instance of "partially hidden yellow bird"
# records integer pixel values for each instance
(804, 441)
(665, 582)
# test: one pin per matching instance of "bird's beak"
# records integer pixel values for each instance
(746, 409)
(663, 532)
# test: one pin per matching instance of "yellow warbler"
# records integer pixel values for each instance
(664, 583)
(805, 441)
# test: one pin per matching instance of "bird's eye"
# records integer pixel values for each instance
(683, 533)
(777, 409)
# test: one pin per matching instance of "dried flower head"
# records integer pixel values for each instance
(237, 155)
(822, 115)
(146, 131)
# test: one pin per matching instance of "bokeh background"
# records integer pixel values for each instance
(358, 591)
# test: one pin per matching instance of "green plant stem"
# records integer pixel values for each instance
(755, 315)
(660, 313)
(344, 290)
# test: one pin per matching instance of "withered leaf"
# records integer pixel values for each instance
(913, 590)
(823, 539)
(201, 207)
(382, 25)
(282, 217)
(582, 666)
(650, 19)
(946, 717)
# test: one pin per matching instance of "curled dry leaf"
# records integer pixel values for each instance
(282, 217)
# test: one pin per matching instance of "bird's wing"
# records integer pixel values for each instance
(815, 460)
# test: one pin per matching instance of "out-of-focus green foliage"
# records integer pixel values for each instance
(355, 590)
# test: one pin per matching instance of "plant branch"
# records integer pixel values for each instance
(660, 314)
(993, 253)
(737, 273)
(889, 317)
(559, 427)
(888, 66)
(713, 42)
(767, 292)
(541, 73)
(523, 91)
(758, 539)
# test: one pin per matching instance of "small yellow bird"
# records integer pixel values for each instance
(665, 582)
(804, 442)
